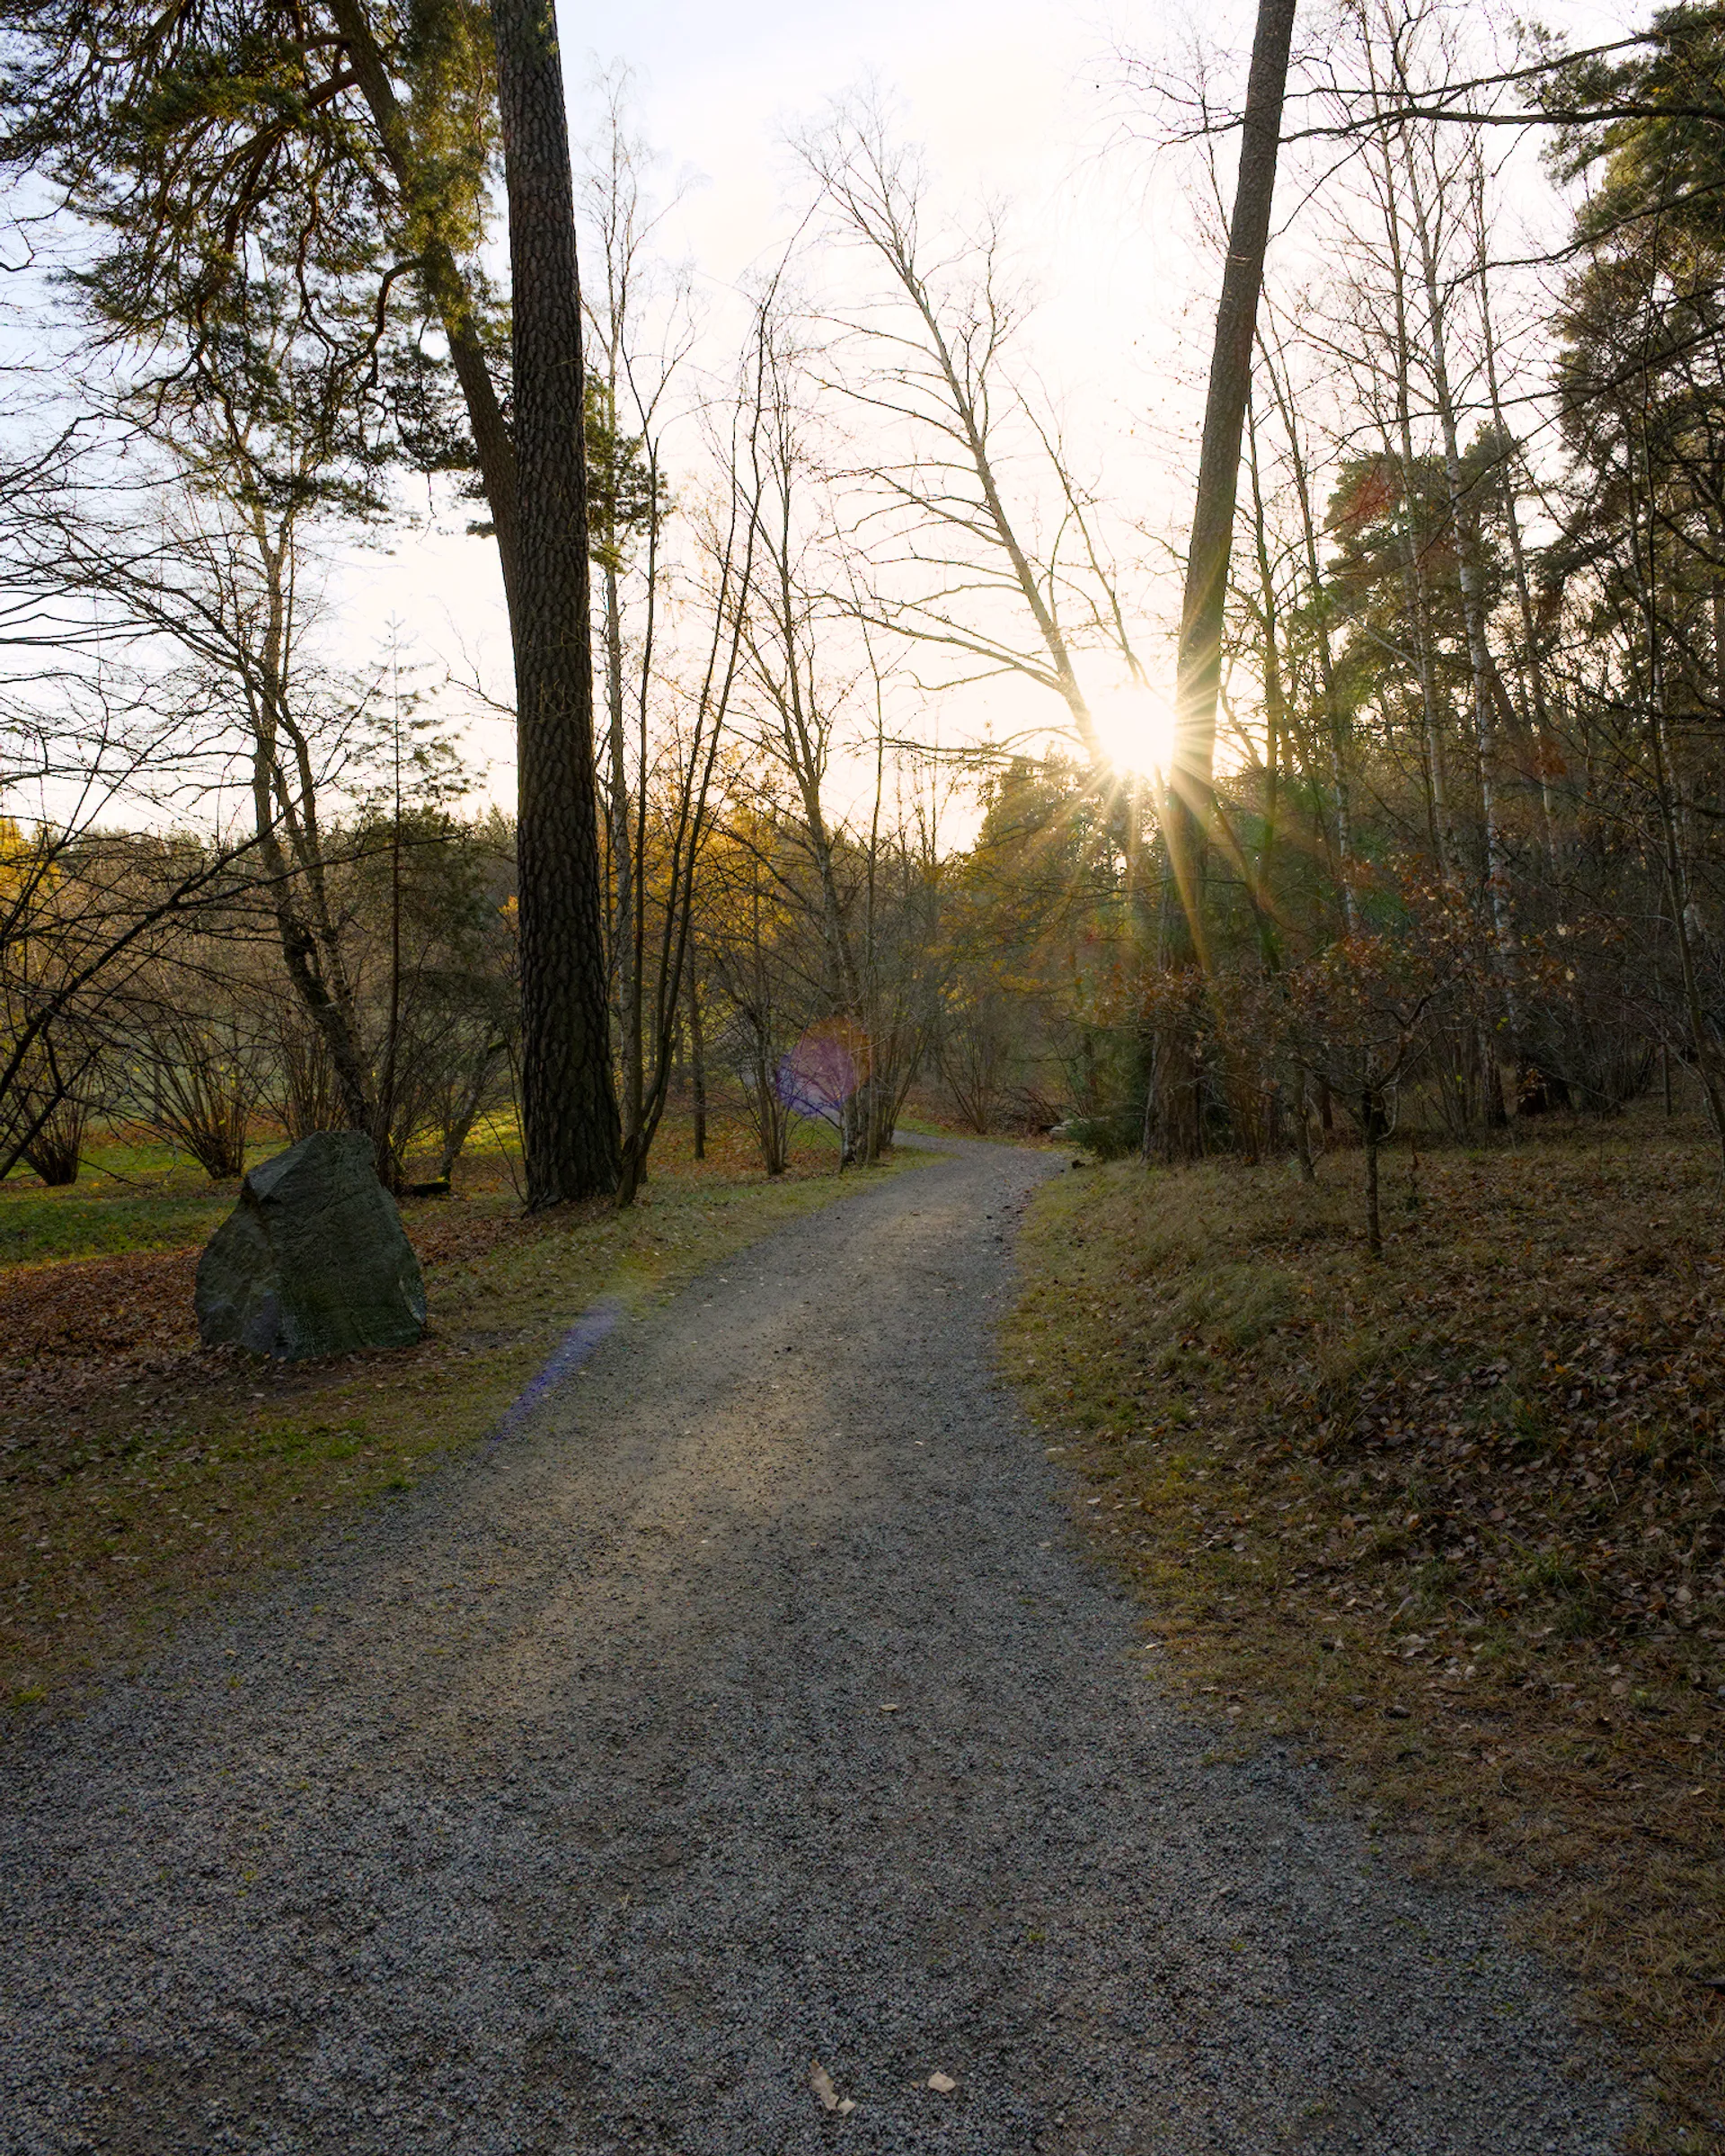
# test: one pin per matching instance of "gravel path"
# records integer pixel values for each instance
(748, 1706)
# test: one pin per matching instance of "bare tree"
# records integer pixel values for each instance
(966, 464)
(674, 770)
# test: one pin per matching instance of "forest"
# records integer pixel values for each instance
(1454, 841)
(1278, 773)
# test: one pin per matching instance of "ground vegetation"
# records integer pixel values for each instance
(1383, 958)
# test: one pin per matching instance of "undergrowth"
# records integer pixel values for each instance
(141, 1474)
(1454, 1519)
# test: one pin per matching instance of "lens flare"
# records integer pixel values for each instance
(824, 1069)
(1135, 728)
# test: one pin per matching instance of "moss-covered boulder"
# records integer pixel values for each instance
(313, 1260)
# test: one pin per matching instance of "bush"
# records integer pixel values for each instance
(1110, 1137)
(58, 1148)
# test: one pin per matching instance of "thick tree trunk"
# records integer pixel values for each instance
(1173, 1118)
(1198, 673)
(571, 1136)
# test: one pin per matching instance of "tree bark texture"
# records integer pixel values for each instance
(1198, 673)
(570, 1135)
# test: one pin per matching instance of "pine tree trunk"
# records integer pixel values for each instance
(1199, 674)
(1176, 1105)
(569, 1134)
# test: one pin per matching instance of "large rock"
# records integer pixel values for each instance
(313, 1260)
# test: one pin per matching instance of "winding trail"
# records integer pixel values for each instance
(563, 1811)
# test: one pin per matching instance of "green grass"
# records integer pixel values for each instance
(43, 1227)
(135, 1195)
(130, 1501)
(129, 1195)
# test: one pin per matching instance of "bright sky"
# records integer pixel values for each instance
(1016, 100)
(1011, 100)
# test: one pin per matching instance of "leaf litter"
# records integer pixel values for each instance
(1458, 1518)
(821, 2083)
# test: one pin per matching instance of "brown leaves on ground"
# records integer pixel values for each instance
(1457, 1516)
(57, 1319)
(137, 1465)
(110, 1343)
(140, 1473)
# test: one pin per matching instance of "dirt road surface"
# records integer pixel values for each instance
(752, 1704)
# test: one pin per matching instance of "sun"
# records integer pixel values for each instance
(1135, 728)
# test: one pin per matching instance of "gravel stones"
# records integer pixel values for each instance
(556, 1814)
(312, 1260)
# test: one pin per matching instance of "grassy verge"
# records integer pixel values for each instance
(129, 1195)
(140, 1474)
(1454, 1519)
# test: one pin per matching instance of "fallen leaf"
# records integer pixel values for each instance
(942, 2082)
(821, 2083)
(846, 2103)
(889, 1707)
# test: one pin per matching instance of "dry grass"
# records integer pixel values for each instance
(141, 1474)
(1454, 1519)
